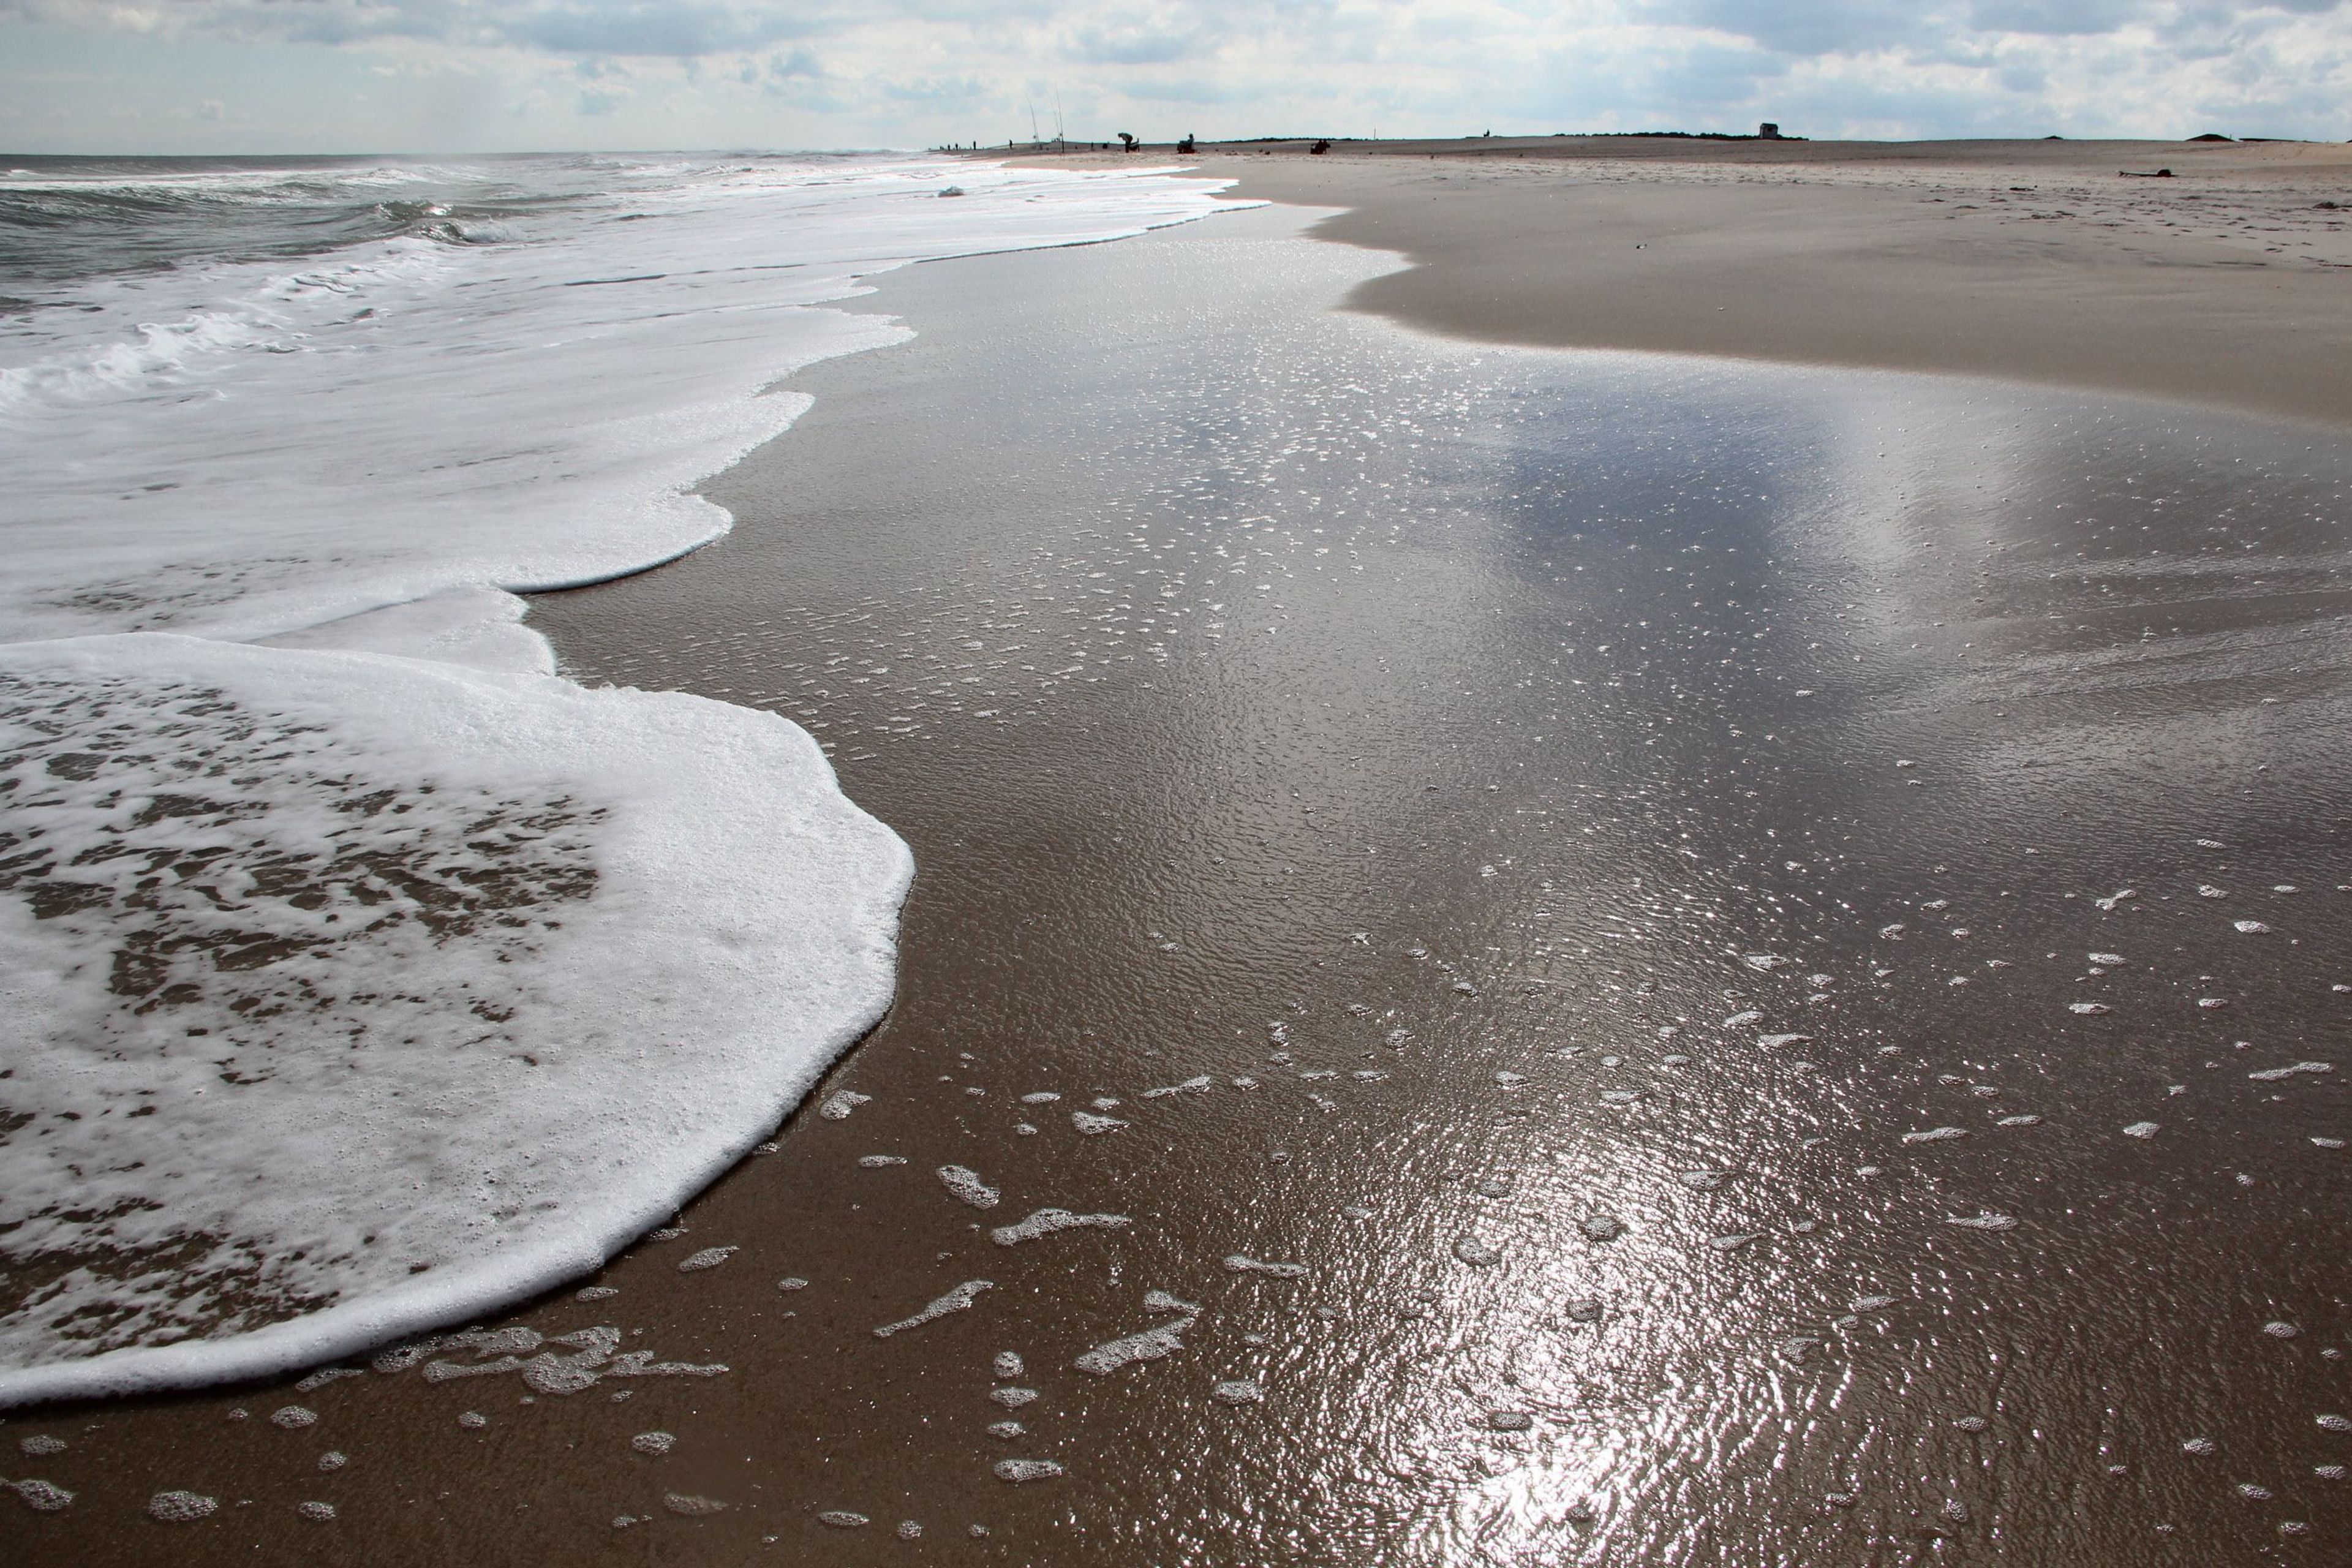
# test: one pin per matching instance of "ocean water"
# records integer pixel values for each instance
(359, 973)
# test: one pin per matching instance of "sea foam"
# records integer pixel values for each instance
(361, 976)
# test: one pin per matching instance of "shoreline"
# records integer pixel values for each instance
(2226, 285)
(1334, 909)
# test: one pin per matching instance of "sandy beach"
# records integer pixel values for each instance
(2040, 261)
(1732, 949)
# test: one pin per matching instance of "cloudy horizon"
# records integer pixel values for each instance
(442, 75)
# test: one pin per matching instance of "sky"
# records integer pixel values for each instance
(448, 76)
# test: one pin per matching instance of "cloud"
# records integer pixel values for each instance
(876, 72)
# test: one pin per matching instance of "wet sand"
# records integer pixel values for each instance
(2229, 283)
(1616, 858)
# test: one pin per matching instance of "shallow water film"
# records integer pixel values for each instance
(1516, 958)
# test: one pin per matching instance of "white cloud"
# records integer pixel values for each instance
(846, 72)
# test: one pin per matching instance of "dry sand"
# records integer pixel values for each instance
(2229, 284)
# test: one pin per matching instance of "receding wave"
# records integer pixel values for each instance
(422, 979)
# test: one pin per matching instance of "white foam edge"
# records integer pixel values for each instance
(591, 1235)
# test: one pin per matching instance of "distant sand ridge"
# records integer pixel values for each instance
(2229, 283)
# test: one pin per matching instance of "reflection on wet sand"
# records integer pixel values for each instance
(1516, 957)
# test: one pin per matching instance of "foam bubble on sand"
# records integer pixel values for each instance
(1984, 1219)
(41, 1496)
(959, 1299)
(653, 1442)
(1008, 1364)
(1238, 1391)
(1935, 1135)
(327, 1374)
(1018, 1470)
(1150, 1344)
(40, 1444)
(1161, 1301)
(966, 1184)
(690, 1505)
(1476, 1253)
(1091, 1124)
(709, 1258)
(321, 1512)
(1201, 1085)
(649, 915)
(1238, 1263)
(1046, 1222)
(293, 1417)
(2275, 1075)
(503, 1351)
(840, 1103)
(1014, 1398)
(2141, 1130)
(880, 1162)
(181, 1507)
(1005, 1431)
